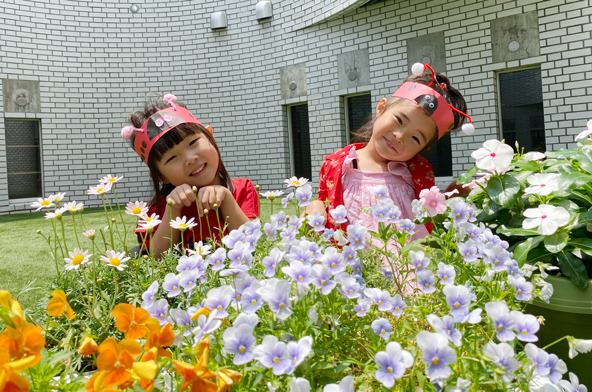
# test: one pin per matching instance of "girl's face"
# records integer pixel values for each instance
(402, 131)
(194, 162)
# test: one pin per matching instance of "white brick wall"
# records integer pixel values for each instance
(96, 60)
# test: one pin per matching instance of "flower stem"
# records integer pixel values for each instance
(75, 231)
(121, 216)
(108, 221)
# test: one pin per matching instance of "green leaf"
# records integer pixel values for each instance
(515, 231)
(527, 165)
(574, 180)
(522, 249)
(573, 268)
(585, 217)
(556, 242)
(465, 177)
(540, 254)
(561, 154)
(503, 190)
(585, 159)
(585, 244)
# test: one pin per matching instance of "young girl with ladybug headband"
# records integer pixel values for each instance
(186, 168)
(408, 123)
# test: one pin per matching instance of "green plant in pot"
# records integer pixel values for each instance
(542, 205)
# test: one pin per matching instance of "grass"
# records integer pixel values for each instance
(27, 262)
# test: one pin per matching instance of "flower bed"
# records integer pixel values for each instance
(291, 305)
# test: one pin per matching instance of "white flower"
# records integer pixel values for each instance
(200, 249)
(90, 234)
(299, 385)
(182, 224)
(137, 208)
(583, 137)
(109, 179)
(543, 184)
(272, 194)
(149, 226)
(100, 189)
(76, 259)
(42, 203)
(58, 197)
(57, 214)
(295, 182)
(546, 218)
(581, 346)
(115, 260)
(533, 156)
(73, 207)
(494, 155)
(340, 238)
(345, 385)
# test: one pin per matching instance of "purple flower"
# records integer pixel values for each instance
(304, 195)
(458, 299)
(382, 298)
(159, 311)
(218, 300)
(182, 319)
(468, 250)
(276, 293)
(392, 364)
(205, 326)
(573, 385)
(407, 226)
(349, 254)
(244, 318)
(240, 255)
(363, 306)
(350, 288)
(418, 260)
(526, 325)
(216, 259)
(513, 269)
(502, 356)
(522, 288)
(445, 326)
(300, 254)
(382, 328)
(149, 295)
(446, 273)
(251, 299)
(272, 354)
(394, 214)
(380, 191)
(333, 260)
(426, 280)
(328, 234)
(322, 279)
(289, 233)
(473, 231)
(497, 257)
(240, 341)
(298, 351)
(436, 354)
(271, 229)
(188, 279)
(356, 234)
(187, 263)
(279, 219)
(300, 273)
(233, 237)
(381, 211)
(501, 320)
(271, 262)
(172, 285)
(287, 199)
(252, 240)
(357, 268)
(339, 214)
(459, 210)
(539, 359)
(296, 222)
(397, 305)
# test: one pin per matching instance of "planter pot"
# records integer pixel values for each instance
(568, 313)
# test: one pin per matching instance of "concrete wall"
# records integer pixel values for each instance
(94, 62)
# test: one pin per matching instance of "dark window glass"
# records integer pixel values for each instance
(301, 141)
(440, 156)
(523, 118)
(359, 110)
(23, 158)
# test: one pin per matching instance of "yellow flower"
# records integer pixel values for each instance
(58, 304)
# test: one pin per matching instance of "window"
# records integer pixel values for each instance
(23, 158)
(521, 98)
(358, 109)
(440, 156)
(300, 140)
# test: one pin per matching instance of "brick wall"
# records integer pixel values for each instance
(96, 60)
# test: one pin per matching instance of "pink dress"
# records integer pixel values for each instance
(356, 195)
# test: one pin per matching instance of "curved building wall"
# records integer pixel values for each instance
(95, 61)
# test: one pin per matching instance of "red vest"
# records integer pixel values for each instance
(330, 186)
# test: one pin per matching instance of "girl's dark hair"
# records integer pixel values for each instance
(450, 94)
(154, 103)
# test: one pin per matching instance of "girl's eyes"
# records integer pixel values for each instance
(193, 141)
(170, 159)
(399, 120)
(416, 139)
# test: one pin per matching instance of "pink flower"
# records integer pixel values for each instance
(433, 201)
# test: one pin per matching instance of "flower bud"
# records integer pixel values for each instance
(215, 206)
(38, 232)
(99, 280)
(145, 257)
(113, 220)
(257, 187)
(194, 189)
(206, 211)
(541, 320)
(170, 202)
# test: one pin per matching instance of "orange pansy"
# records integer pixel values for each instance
(10, 380)
(146, 369)
(198, 375)
(17, 318)
(226, 378)
(88, 346)
(130, 319)
(23, 342)
(159, 338)
(58, 304)
(117, 360)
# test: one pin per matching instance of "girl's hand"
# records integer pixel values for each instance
(210, 195)
(315, 206)
(181, 196)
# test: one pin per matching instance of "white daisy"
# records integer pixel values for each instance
(76, 259)
(100, 189)
(57, 214)
(182, 224)
(295, 182)
(109, 179)
(73, 207)
(137, 208)
(115, 260)
(272, 194)
(43, 203)
(200, 249)
(57, 197)
(149, 227)
(90, 234)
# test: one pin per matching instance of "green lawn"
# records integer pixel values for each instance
(25, 256)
